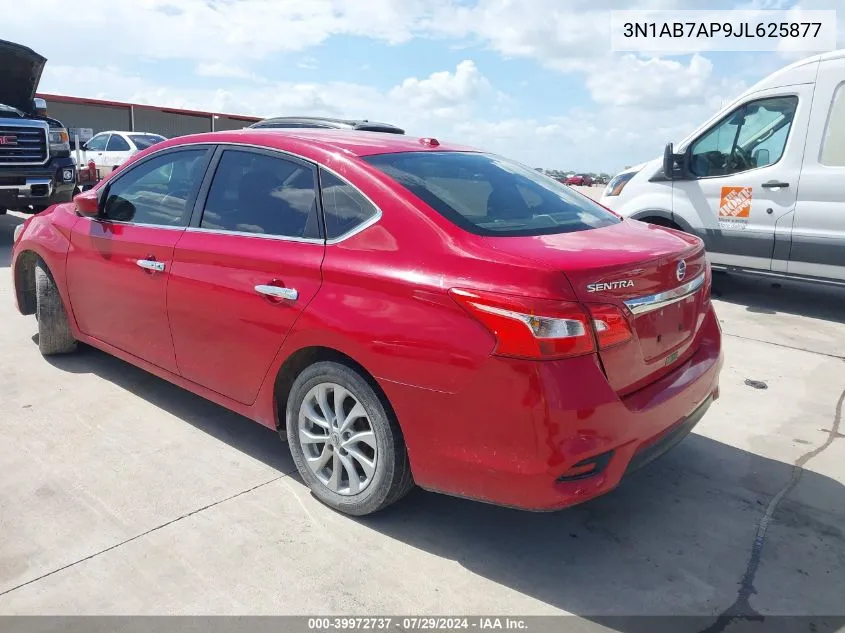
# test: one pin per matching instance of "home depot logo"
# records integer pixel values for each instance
(735, 202)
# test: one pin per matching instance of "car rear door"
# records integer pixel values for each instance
(245, 269)
(119, 264)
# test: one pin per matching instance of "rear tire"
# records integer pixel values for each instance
(3, 210)
(54, 335)
(356, 477)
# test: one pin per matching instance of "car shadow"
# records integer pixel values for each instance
(764, 296)
(235, 430)
(675, 538)
(8, 223)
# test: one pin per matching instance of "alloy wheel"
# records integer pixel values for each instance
(337, 439)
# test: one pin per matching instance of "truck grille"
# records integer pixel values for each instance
(22, 145)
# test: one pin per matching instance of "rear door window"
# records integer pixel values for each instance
(117, 144)
(489, 195)
(257, 193)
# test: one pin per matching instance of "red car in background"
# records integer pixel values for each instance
(581, 180)
(402, 311)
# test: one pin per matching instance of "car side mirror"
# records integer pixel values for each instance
(88, 203)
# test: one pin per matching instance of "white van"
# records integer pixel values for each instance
(762, 182)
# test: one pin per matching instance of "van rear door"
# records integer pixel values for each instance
(743, 180)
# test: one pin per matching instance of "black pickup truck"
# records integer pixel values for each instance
(36, 168)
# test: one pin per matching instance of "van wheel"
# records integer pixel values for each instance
(54, 336)
(347, 448)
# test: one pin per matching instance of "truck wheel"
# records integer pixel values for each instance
(347, 448)
(54, 336)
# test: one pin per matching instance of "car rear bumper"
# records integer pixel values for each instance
(521, 433)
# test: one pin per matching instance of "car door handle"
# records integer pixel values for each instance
(774, 184)
(278, 292)
(149, 264)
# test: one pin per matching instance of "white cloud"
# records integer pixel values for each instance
(308, 63)
(638, 103)
(445, 94)
(223, 70)
(654, 83)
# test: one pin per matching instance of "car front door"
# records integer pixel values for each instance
(119, 263)
(117, 152)
(245, 269)
(818, 233)
(743, 178)
(95, 150)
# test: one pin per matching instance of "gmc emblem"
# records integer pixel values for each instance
(8, 140)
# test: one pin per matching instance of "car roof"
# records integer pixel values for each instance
(300, 141)
(128, 132)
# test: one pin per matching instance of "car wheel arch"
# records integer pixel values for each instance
(304, 357)
(662, 217)
(25, 280)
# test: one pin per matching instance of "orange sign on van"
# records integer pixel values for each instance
(735, 202)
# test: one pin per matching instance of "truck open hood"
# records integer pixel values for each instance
(20, 72)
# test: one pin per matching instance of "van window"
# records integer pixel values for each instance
(754, 135)
(833, 145)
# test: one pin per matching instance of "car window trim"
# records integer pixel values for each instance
(358, 227)
(728, 115)
(189, 204)
(202, 192)
(194, 224)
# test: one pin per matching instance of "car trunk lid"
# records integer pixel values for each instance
(656, 277)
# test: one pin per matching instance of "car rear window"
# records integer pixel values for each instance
(143, 141)
(489, 195)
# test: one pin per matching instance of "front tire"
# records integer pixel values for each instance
(54, 335)
(345, 445)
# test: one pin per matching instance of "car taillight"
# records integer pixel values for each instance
(612, 328)
(530, 328)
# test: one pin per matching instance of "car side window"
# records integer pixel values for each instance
(157, 191)
(117, 144)
(754, 135)
(267, 195)
(833, 145)
(344, 207)
(98, 143)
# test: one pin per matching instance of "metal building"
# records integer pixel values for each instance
(99, 115)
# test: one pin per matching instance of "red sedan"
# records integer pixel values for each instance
(402, 311)
(581, 180)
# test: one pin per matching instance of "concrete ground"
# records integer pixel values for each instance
(121, 493)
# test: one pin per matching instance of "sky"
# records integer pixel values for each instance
(534, 80)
